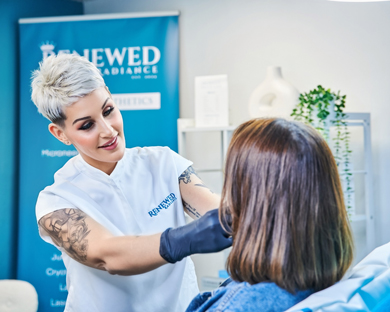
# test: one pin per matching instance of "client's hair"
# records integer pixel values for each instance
(61, 81)
(283, 192)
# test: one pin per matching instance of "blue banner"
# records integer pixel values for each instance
(139, 60)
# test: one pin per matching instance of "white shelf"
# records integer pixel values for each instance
(357, 218)
(358, 171)
(188, 125)
(208, 129)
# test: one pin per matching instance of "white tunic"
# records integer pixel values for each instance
(140, 197)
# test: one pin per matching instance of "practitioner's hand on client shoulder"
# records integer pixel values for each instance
(204, 235)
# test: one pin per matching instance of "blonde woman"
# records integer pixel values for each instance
(117, 214)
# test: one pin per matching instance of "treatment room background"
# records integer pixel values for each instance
(342, 46)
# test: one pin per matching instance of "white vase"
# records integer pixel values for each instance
(274, 97)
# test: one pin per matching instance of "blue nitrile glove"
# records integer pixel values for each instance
(204, 235)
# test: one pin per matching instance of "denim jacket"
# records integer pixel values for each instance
(243, 297)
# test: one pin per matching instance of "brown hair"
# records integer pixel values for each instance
(283, 192)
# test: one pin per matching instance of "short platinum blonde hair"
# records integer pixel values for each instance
(61, 81)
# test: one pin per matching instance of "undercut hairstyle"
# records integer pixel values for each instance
(61, 81)
(283, 193)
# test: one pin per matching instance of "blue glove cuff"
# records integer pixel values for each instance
(166, 248)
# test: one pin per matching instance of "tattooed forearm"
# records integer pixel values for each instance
(190, 210)
(202, 185)
(186, 175)
(68, 229)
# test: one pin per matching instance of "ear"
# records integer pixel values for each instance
(58, 133)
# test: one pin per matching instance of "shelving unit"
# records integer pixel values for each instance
(364, 120)
(353, 120)
(185, 126)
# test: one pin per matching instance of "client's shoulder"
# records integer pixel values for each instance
(266, 296)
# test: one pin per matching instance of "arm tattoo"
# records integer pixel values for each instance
(191, 210)
(202, 185)
(68, 229)
(186, 175)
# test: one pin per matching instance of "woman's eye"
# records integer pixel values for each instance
(108, 111)
(86, 126)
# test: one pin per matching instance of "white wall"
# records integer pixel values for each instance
(343, 46)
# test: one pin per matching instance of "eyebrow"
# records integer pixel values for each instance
(87, 117)
(105, 102)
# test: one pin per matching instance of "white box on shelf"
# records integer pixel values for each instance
(211, 101)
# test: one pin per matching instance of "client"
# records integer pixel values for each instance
(291, 236)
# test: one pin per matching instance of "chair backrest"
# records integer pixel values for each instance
(367, 288)
(17, 296)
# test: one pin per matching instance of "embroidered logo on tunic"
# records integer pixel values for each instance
(163, 205)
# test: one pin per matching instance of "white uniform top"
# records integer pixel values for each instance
(140, 197)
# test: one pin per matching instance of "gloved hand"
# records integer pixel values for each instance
(204, 235)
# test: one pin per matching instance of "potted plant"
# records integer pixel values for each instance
(322, 109)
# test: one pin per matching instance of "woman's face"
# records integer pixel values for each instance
(94, 126)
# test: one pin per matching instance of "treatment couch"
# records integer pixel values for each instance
(366, 288)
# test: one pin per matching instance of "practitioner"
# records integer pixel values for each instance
(117, 214)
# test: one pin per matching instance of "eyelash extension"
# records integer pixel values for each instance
(89, 124)
(86, 126)
(108, 111)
